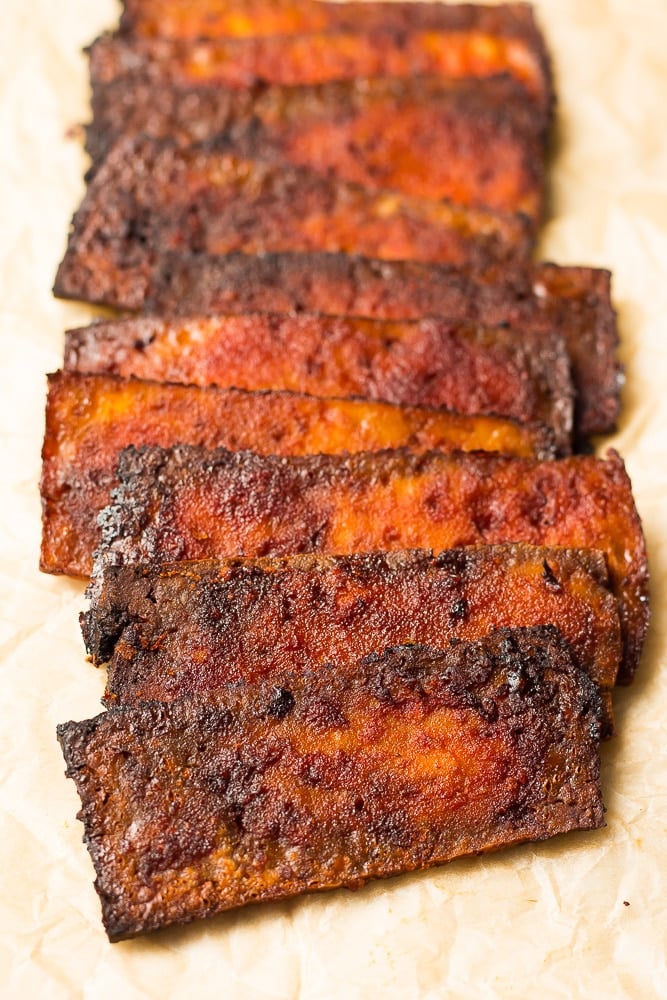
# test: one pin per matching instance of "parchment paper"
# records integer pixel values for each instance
(543, 921)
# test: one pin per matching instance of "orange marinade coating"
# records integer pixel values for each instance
(321, 57)
(468, 369)
(90, 419)
(189, 503)
(196, 19)
(414, 757)
(150, 197)
(476, 142)
(575, 301)
(189, 629)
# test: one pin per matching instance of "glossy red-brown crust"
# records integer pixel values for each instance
(91, 418)
(472, 370)
(575, 301)
(322, 56)
(477, 142)
(415, 757)
(150, 197)
(189, 629)
(187, 503)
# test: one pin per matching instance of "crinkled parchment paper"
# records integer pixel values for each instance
(584, 915)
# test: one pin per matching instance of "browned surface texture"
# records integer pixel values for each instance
(188, 503)
(415, 757)
(189, 629)
(195, 19)
(477, 142)
(323, 56)
(151, 197)
(91, 418)
(572, 300)
(471, 370)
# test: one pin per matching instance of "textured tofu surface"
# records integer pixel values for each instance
(189, 629)
(469, 369)
(476, 142)
(575, 301)
(91, 418)
(414, 757)
(149, 197)
(188, 503)
(196, 19)
(318, 57)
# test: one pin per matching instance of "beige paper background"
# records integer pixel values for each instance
(546, 920)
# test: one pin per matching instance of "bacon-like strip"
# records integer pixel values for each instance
(151, 197)
(91, 418)
(415, 757)
(477, 142)
(472, 370)
(197, 19)
(192, 628)
(321, 57)
(574, 301)
(188, 503)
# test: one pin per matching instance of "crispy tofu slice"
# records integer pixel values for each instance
(574, 301)
(415, 757)
(319, 57)
(190, 629)
(187, 503)
(149, 197)
(197, 19)
(476, 142)
(472, 370)
(91, 418)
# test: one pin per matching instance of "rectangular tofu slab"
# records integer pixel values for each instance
(149, 197)
(415, 757)
(197, 19)
(189, 629)
(318, 57)
(91, 418)
(189, 503)
(472, 370)
(476, 142)
(574, 301)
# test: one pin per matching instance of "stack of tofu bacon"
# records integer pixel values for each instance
(362, 597)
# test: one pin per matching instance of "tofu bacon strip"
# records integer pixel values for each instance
(197, 19)
(149, 197)
(91, 418)
(191, 629)
(476, 142)
(186, 503)
(472, 370)
(575, 301)
(415, 757)
(319, 57)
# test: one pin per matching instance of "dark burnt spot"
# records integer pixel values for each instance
(549, 577)
(459, 610)
(281, 704)
(453, 560)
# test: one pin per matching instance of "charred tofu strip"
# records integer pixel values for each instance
(476, 142)
(321, 57)
(574, 301)
(186, 629)
(149, 197)
(91, 418)
(426, 362)
(187, 503)
(197, 19)
(415, 757)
